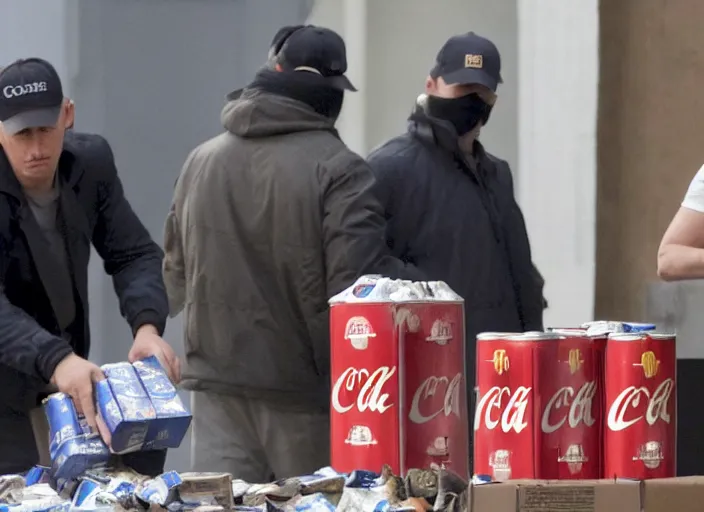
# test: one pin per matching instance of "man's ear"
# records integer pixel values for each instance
(430, 86)
(69, 114)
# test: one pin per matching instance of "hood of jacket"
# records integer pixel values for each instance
(261, 114)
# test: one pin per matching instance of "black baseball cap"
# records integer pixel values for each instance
(468, 59)
(313, 49)
(30, 95)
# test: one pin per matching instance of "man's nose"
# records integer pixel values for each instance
(35, 147)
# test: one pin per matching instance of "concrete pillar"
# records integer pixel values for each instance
(558, 58)
(353, 123)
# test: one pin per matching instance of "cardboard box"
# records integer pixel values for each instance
(660, 495)
(172, 419)
(558, 496)
(124, 406)
(206, 489)
(674, 494)
(141, 407)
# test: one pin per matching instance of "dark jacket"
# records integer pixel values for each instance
(459, 224)
(93, 209)
(269, 220)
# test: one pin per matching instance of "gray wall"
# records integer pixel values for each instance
(402, 38)
(399, 63)
(151, 76)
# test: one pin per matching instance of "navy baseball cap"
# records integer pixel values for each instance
(314, 49)
(30, 95)
(468, 59)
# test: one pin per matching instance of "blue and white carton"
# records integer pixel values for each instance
(141, 407)
(172, 418)
(124, 406)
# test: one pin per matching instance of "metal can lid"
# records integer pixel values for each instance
(627, 336)
(661, 335)
(569, 331)
(535, 336)
(491, 336)
(597, 332)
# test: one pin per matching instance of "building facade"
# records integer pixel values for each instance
(598, 117)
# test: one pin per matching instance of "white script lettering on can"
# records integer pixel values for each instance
(15, 91)
(630, 398)
(513, 415)
(370, 394)
(427, 389)
(580, 408)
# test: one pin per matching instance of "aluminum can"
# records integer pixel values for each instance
(399, 390)
(505, 416)
(641, 420)
(569, 387)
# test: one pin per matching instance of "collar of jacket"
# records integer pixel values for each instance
(438, 132)
(69, 174)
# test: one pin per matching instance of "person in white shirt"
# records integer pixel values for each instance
(681, 253)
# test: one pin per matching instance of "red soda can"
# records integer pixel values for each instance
(435, 388)
(641, 420)
(505, 416)
(568, 388)
(399, 390)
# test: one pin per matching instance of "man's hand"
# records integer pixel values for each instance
(75, 376)
(147, 342)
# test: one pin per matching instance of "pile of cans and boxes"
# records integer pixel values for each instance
(580, 418)
(142, 411)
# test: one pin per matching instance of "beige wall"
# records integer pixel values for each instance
(651, 140)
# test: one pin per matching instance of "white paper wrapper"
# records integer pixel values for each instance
(374, 288)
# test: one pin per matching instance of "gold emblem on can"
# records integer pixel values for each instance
(501, 363)
(575, 360)
(650, 364)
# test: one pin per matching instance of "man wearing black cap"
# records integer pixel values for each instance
(270, 219)
(450, 205)
(59, 192)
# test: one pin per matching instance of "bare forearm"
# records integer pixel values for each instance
(679, 262)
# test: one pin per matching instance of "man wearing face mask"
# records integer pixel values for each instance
(270, 219)
(450, 204)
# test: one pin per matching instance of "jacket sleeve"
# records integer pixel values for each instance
(527, 279)
(129, 254)
(174, 267)
(354, 237)
(24, 345)
(384, 164)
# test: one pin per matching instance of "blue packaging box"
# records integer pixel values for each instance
(63, 420)
(76, 456)
(172, 418)
(124, 406)
(161, 490)
(37, 475)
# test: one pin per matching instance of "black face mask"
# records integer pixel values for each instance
(465, 112)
